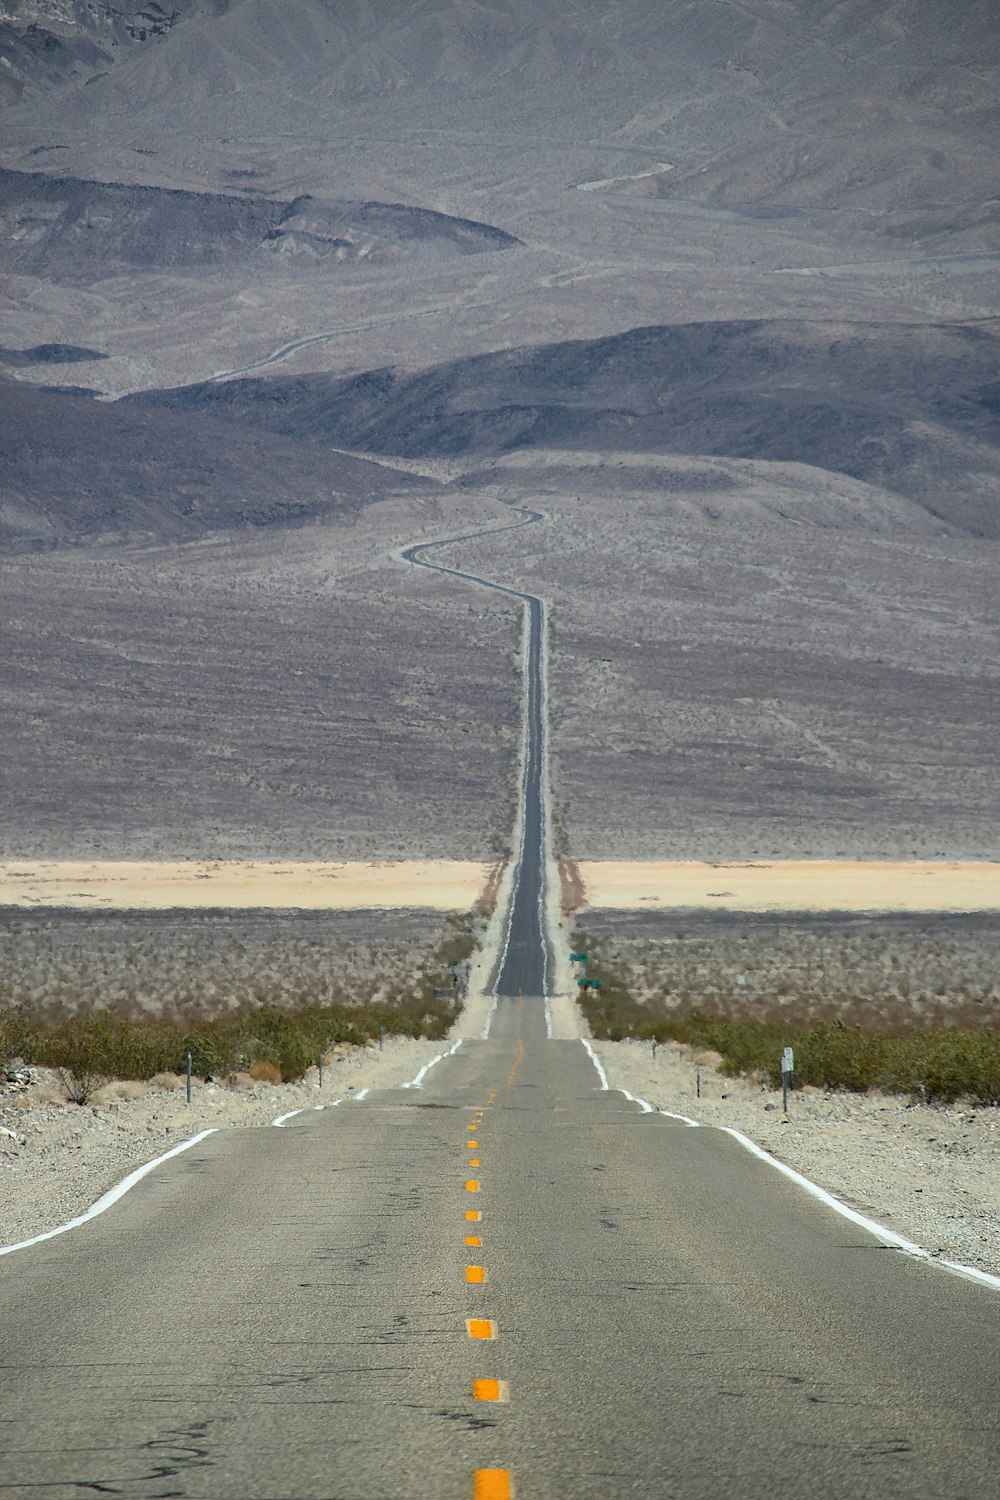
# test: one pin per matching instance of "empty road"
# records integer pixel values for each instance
(506, 1280)
(524, 962)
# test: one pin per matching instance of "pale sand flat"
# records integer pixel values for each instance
(793, 885)
(435, 884)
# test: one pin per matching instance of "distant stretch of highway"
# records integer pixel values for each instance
(502, 1278)
(524, 963)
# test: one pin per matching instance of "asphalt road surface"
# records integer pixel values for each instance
(504, 1281)
(524, 961)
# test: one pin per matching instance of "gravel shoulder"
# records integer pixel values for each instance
(56, 1159)
(932, 1174)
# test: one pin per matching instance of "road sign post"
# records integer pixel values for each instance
(787, 1069)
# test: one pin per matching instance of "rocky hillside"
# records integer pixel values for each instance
(909, 409)
(48, 42)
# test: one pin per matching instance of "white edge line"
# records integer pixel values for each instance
(887, 1236)
(597, 1064)
(485, 1033)
(695, 1124)
(112, 1195)
(289, 1116)
(647, 1109)
(414, 1083)
(293, 1113)
(871, 1226)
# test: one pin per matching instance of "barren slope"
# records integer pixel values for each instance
(744, 354)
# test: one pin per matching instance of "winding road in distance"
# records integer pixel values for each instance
(524, 963)
(502, 1278)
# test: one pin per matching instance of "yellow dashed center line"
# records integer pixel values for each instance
(519, 1059)
(492, 1484)
(490, 1390)
(488, 1484)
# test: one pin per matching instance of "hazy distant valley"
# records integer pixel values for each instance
(290, 285)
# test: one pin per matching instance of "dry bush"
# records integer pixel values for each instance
(124, 1088)
(903, 1042)
(264, 1072)
(167, 1081)
(231, 996)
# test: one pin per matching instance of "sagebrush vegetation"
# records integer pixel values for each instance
(117, 1001)
(893, 1031)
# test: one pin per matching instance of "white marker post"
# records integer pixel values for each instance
(787, 1069)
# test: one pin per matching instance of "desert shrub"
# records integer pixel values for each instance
(83, 1053)
(280, 1038)
(206, 1054)
(934, 1062)
(125, 1007)
(17, 1038)
(457, 949)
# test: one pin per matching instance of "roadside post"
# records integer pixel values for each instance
(787, 1069)
(320, 1065)
(189, 1078)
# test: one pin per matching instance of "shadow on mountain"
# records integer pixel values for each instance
(911, 409)
(48, 354)
(74, 470)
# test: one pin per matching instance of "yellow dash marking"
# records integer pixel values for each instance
(472, 1186)
(475, 1275)
(473, 1239)
(480, 1328)
(474, 1161)
(472, 1145)
(473, 1215)
(492, 1484)
(490, 1390)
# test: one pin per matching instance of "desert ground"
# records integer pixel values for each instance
(246, 698)
(792, 885)
(780, 666)
(445, 885)
(199, 962)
